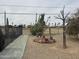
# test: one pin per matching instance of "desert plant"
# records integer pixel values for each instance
(36, 29)
(38, 26)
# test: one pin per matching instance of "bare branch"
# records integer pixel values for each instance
(48, 19)
(67, 15)
(62, 13)
(57, 17)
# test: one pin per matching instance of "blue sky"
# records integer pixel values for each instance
(28, 19)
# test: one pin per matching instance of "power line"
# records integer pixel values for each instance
(33, 6)
(31, 13)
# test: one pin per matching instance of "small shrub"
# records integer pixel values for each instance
(29, 26)
(36, 29)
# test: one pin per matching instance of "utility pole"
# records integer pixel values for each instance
(7, 27)
(5, 21)
(36, 18)
(5, 18)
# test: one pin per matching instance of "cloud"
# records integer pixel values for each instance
(27, 19)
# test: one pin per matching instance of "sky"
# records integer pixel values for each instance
(70, 6)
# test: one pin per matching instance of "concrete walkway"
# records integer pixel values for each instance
(16, 49)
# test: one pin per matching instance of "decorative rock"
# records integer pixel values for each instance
(43, 39)
(39, 34)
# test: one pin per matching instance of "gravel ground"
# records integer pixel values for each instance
(51, 51)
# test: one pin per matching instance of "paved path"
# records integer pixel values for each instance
(16, 49)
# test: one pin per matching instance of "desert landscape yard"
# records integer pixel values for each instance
(51, 51)
(39, 29)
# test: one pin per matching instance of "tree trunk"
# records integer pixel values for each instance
(76, 36)
(49, 31)
(64, 35)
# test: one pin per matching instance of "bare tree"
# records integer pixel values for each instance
(63, 17)
(49, 26)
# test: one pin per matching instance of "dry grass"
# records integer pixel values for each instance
(46, 32)
(54, 31)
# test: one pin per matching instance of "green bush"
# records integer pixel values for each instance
(38, 26)
(73, 26)
(36, 29)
